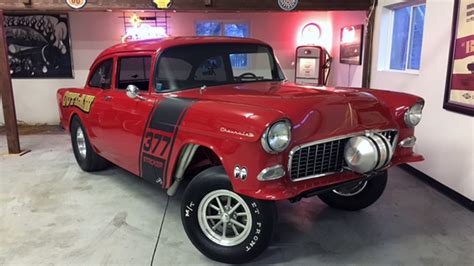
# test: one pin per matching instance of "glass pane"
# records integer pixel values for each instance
(192, 66)
(238, 60)
(134, 70)
(211, 69)
(236, 30)
(401, 24)
(416, 38)
(240, 30)
(259, 67)
(172, 71)
(208, 28)
(102, 77)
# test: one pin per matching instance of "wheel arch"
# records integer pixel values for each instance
(81, 120)
(192, 159)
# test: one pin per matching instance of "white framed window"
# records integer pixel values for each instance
(401, 44)
(229, 29)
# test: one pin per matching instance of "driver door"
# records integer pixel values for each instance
(127, 117)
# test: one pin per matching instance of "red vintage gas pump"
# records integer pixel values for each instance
(313, 64)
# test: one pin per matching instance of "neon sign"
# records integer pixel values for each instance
(142, 31)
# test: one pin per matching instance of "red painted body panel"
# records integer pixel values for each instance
(116, 126)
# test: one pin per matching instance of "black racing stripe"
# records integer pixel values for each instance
(152, 166)
(141, 143)
(167, 114)
(166, 118)
(172, 141)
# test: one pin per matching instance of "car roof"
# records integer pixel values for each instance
(153, 45)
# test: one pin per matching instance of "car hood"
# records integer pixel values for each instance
(326, 110)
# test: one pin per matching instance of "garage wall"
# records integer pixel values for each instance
(278, 29)
(35, 99)
(281, 30)
(446, 139)
(345, 75)
(92, 32)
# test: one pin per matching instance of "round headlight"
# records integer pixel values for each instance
(277, 137)
(413, 115)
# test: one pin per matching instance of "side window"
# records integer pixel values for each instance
(134, 70)
(102, 77)
(211, 69)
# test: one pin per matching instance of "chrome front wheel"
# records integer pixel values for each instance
(224, 218)
(222, 224)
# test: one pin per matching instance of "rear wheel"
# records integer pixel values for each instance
(86, 157)
(222, 224)
(356, 196)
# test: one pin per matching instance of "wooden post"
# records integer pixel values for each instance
(6, 92)
(367, 67)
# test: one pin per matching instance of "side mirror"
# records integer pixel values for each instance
(133, 92)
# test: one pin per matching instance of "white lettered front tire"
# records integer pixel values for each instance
(222, 224)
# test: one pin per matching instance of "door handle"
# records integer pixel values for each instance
(107, 98)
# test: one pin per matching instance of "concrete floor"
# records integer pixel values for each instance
(53, 213)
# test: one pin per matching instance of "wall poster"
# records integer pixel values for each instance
(459, 94)
(38, 45)
(351, 45)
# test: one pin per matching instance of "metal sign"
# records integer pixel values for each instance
(162, 3)
(287, 5)
(76, 4)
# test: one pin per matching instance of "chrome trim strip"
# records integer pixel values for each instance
(366, 132)
(315, 176)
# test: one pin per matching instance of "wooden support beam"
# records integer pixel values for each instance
(187, 5)
(6, 92)
(367, 67)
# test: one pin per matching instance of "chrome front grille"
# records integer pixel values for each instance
(391, 135)
(324, 157)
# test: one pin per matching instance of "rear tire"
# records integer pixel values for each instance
(356, 197)
(223, 225)
(86, 157)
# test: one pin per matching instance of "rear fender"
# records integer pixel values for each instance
(68, 110)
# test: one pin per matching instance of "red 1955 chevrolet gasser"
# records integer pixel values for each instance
(219, 112)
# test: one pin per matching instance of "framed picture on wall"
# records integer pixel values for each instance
(351, 45)
(38, 45)
(459, 94)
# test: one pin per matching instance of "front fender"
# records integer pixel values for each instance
(223, 120)
(232, 131)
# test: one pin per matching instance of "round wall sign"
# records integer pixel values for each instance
(76, 4)
(287, 5)
(310, 33)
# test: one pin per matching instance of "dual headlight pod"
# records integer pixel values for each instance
(277, 137)
(413, 115)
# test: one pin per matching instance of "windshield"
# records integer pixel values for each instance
(193, 66)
